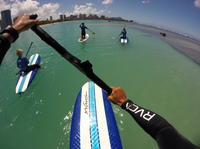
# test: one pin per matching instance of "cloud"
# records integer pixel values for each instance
(107, 2)
(50, 9)
(3, 5)
(86, 9)
(19, 7)
(145, 1)
(197, 3)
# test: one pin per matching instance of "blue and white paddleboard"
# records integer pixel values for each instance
(93, 122)
(24, 81)
(123, 40)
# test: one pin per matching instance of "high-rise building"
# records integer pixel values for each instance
(51, 18)
(5, 18)
(0, 25)
(61, 17)
(65, 17)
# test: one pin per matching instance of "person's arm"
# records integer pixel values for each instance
(4, 45)
(21, 24)
(145, 118)
(156, 126)
(151, 122)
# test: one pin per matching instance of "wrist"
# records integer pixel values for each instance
(16, 28)
(8, 37)
(10, 33)
(122, 101)
(123, 105)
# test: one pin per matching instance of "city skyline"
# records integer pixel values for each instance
(181, 16)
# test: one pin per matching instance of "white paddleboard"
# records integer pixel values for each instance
(23, 82)
(124, 40)
(93, 121)
(86, 38)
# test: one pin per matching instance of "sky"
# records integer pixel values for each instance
(182, 16)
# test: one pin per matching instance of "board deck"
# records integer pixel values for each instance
(23, 82)
(93, 122)
(123, 40)
(86, 38)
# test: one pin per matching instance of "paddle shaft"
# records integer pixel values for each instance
(119, 35)
(84, 67)
(29, 48)
(91, 31)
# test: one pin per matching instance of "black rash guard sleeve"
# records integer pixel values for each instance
(4, 46)
(157, 127)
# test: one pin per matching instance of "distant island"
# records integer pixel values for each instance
(64, 18)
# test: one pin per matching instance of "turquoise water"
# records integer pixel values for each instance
(153, 74)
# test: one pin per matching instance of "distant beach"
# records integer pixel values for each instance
(186, 45)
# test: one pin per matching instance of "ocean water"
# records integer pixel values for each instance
(153, 74)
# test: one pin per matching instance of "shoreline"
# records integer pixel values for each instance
(185, 45)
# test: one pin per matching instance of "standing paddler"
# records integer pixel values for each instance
(83, 32)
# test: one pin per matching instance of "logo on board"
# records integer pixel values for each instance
(85, 103)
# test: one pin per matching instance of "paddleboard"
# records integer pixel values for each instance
(86, 38)
(123, 40)
(23, 82)
(93, 122)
